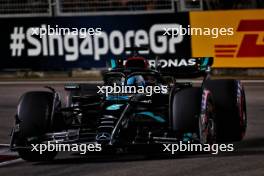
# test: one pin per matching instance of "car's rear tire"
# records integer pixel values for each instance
(34, 118)
(230, 104)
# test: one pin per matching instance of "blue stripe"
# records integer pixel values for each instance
(150, 114)
(114, 107)
(113, 63)
(205, 62)
(117, 98)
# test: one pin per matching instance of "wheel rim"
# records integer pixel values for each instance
(207, 125)
(241, 109)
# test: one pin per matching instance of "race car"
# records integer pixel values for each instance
(161, 108)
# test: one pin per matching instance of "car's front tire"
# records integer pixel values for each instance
(34, 118)
(230, 104)
(193, 112)
(207, 120)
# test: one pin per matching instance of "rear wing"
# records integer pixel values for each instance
(185, 68)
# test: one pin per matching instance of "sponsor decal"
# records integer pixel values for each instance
(163, 63)
(244, 49)
(248, 47)
(87, 42)
(103, 136)
(72, 44)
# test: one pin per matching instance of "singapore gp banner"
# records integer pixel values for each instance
(44, 44)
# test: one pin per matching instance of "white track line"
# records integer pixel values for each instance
(4, 145)
(4, 151)
(252, 81)
(5, 163)
(7, 152)
(98, 82)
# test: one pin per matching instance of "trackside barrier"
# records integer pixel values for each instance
(239, 46)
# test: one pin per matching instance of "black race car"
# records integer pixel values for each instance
(173, 111)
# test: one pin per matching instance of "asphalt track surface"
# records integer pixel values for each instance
(246, 160)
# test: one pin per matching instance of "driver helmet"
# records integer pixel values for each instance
(136, 80)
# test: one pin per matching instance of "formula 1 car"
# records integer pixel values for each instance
(212, 112)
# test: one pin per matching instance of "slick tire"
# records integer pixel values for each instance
(230, 103)
(34, 117)
(185, 109)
